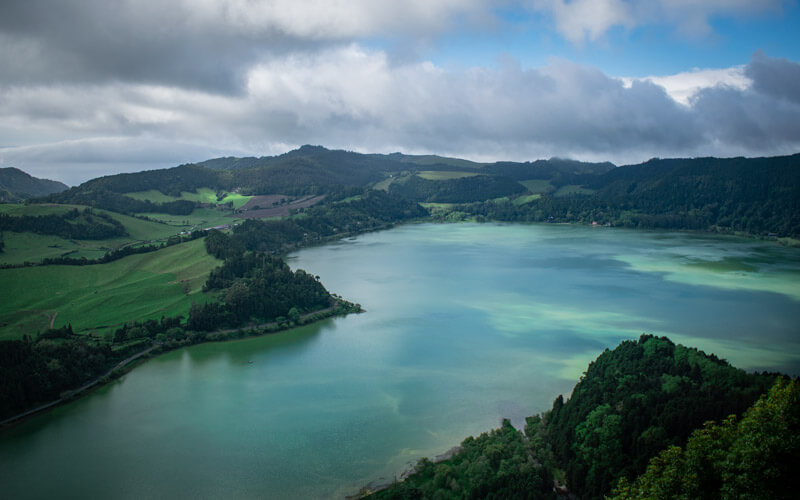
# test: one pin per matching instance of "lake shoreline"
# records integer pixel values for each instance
(342, 308)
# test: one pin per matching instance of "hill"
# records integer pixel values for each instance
(17, 186)
(759, 196)
(633, 401)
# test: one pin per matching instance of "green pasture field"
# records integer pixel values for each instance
(99, 298)
(30, 247)
(384, 184)
(238, 200)
(151, 195)
(521, 200)
(202, 195)
(439, 206)
(200, 218)
(348, 199)
(144, 231)
(538, 185)
(35, 209)
(572, 189)
(436, 175)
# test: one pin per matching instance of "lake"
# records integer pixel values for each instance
(465, 324)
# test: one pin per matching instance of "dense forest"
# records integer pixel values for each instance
(37, 371)
(461, 190)
(754, 457)
(755, 196)
(643, 397)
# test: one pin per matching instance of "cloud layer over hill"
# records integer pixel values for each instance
(96, 87)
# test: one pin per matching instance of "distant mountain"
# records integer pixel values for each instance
(17, 186)
(751, 195)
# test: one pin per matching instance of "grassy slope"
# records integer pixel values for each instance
(202, 195)
(22, 247)
(572, 189)
(200, 218)
(538, 185)
(19, 209)
(436, 175)
(92, 297)
(521, 200)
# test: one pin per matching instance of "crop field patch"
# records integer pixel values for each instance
(276, 205)
(444, 175)
(202, 195)
(104, 296)
(572, 189)
(521, 200)
(538, 185)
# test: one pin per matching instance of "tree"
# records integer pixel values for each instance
(755, 457)
(294, 315)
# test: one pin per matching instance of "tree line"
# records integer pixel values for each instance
(101, 197)
(460, 190)
(74, 224)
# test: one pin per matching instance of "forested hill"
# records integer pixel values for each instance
(751, 195)
(16, 186)
(633, 402)
(757, 192)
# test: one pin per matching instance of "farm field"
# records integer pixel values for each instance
(437, 175)
(200, 218)
(521, 200)
(277, 205)
(34, 210)
(385, 183)
(30, 247)
(537, 185)
(572, 189)
(202, 195)
(99, 298)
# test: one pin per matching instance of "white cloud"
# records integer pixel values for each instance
(685, 85)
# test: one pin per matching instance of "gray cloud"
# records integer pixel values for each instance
(351, 98)
(97, 41)
(777, 78)
(99, 87)
(761, 119)
(207, 45)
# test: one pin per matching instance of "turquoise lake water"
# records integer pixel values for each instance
(466, 324)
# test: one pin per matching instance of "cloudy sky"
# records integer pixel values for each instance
(91, 87)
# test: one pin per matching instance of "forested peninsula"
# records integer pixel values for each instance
(649, 419)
